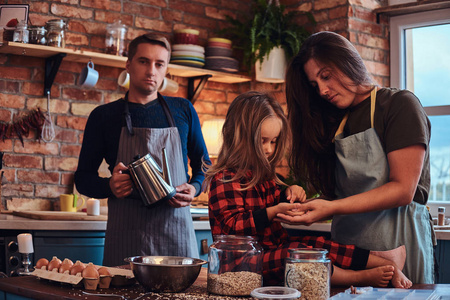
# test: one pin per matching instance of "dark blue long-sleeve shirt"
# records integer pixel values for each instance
(102, 134)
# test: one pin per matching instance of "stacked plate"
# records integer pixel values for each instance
(218, 56)
(185, 51)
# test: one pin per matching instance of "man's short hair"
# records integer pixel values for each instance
(151, 38)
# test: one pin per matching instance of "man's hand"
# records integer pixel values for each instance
(184, 196)
(120, 184)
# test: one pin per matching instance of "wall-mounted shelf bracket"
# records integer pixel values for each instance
(193, 94)
(52, 64)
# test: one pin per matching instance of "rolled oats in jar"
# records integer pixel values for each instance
(309, 270)
(234, 265)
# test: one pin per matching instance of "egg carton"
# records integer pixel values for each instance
(119, 277)
(369, 293)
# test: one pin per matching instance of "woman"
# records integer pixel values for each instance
(366, 148)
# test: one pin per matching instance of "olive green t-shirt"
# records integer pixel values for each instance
(400, 121)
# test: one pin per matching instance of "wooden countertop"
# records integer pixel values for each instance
(11, 222)
(32, 287)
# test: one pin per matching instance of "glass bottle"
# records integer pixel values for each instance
(234, 265)
(37, 35)
(309, 271)
(21, 33)
(56, 35)
(115, 38)
(441, 216)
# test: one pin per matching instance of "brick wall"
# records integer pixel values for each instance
(40, 170)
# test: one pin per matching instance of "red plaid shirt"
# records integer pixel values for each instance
(232, 211)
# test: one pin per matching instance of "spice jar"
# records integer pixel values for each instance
(234, 265)
(115, 38)
(21, 33)
(56, 35)
(37, 35)
(309, 270)
(441, 216)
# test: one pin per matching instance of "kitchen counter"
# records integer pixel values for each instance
(29, 287)
(11, 222)
(441, 234)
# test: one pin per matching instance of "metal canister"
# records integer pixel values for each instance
(56, 35)
(234, 265)
(309, 271)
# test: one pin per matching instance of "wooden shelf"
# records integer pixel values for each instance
(113, 61)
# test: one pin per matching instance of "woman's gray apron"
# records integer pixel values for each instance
(160, 229)
(362, 166)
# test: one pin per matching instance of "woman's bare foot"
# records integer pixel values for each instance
(399, 280)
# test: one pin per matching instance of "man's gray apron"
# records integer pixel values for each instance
(362, 166)
(161, 229)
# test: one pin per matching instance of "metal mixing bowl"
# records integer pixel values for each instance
(165, 273)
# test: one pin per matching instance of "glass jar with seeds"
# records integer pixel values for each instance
(234, 265)
(309, 270)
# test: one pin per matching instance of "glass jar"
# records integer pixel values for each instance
(115, 38)
(234, 265)
(56, 35)
(21, 33)
(309, 270)
(37, 35)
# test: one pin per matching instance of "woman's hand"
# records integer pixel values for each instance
(307, 213)
(295, 193)
(120, 184)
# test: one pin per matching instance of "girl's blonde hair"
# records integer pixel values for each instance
(242, 150)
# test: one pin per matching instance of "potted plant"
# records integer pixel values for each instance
(269, 30)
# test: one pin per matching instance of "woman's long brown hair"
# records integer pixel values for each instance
(313, 120)
(242, 150)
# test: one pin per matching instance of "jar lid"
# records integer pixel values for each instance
(37, 28)
(59, 22)
(117, 25)
(306, 253)
(275, 292)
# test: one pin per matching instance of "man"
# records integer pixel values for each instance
(144, 122)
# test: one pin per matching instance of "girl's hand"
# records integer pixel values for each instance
(307, 213)
(295, 193)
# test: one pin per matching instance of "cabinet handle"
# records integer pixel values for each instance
(205, 246)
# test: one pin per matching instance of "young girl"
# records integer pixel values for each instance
(245, 195)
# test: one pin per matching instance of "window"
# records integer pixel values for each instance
(420, 62)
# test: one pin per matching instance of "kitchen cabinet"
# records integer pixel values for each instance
(54, 56)
(443, 259)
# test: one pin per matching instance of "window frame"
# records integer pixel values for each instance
(398, 61)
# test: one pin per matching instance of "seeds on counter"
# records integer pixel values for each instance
(234, 283)
(311, 279)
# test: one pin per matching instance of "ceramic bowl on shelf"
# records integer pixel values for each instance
(188, 47)
(218, 51)
(186, 36)
(221, 63)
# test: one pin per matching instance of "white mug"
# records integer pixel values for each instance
(93, 207)
(124, 79)
(88, 76)
(168, 86)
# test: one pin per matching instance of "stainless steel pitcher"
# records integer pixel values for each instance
(153, 183)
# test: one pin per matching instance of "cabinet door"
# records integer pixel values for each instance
(84, 246)
(204, 240)
(443, 258)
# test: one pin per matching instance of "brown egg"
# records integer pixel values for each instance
(103, 271)
(78, 267)
(55, 263)
(65, 265)
(42, 262)
(90, 271)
